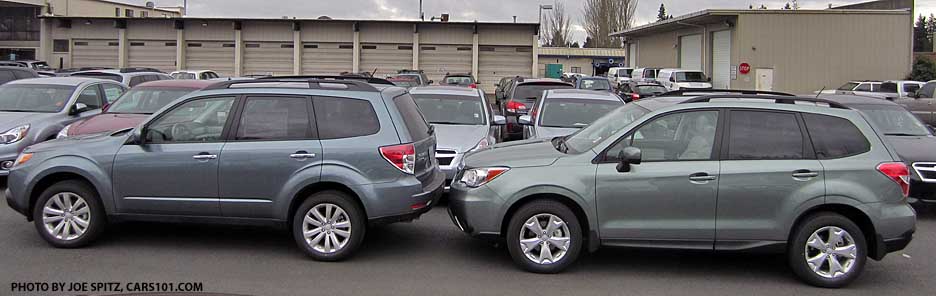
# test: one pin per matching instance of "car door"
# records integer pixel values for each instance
(768, 168)
(174, 169)
(275, 143)
(669, 198)
(93, 99)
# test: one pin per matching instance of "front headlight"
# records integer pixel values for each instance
(479, 176)
(63, 133)
(484, 143)
(14, 134)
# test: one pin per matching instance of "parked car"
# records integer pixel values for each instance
(634, 90)
(68, 71)
(11, 73)
(594, 83)
(40, 67)
(903, 88)
(404, 81)
(459, 79)
(912, 139)
(571, 77)
(463, 121)
(35, 110)
(619, 74)
(676, 79)
(419, 75)
(194, 75)
(499, 89)
(645, 75)
(520, 98)
(858, 87)
(564, 111)
(365, 157)
(128, 76)
(134, 106)
(922, 103)
(647, 174)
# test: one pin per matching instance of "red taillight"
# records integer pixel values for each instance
(473, 85)
(899, 173)
(515, 107)
(533, 114)
(403, 157)
(635, 97)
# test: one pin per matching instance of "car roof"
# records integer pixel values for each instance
(444, 90)
(69, 81)
(848, 100)
(457, 74)
(678, 70)
(194, 84)
(581, 94)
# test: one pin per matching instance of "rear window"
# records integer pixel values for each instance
(412, 118)
(650, 89)
(835, 137)
(338, 118)
(691, 77)
(526, 91)
(649, 73)
(624, 72)
(595, 84)
(575, 113)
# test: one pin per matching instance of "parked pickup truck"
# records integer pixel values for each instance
(922, 103)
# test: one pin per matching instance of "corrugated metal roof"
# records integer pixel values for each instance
(582, 52)
(187, 18)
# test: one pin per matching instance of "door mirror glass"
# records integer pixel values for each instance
(525, 120)
(78, 108)
(627, 157)
(500, 120)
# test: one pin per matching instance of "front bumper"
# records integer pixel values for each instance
(475, 211)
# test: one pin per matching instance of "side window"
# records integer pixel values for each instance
(92, 97)
(928, 90)
(764, 135)
(112, 92)
(23, 74)
(835, 137)
(275, 118)
(344, 118)
(673, 137)
(413, 119)
(6, 76)
(863, 87)
(136, 80)
(911, 88)
(200, 120)
(204, 76)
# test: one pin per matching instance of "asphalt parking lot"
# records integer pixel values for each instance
(426, 257)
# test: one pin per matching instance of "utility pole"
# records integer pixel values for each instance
(422, 15)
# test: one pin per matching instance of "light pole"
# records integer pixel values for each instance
(539, 24)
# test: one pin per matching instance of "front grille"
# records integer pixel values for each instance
(926, 170)
(445, 156)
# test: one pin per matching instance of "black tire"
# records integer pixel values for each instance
(355, 215)
(796, 252)
(96, 223)
(538, 207)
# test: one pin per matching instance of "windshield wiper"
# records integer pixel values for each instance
(450, 122)
(15, 110)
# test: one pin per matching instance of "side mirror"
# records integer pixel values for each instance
(135, 138)
(627, 157)
(525, 120)
(500, 120)
(672, 79)
(77, 108)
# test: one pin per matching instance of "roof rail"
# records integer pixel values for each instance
(139, 69)
(351, 85)
(372, 80)
(777, 99)
(703, 91)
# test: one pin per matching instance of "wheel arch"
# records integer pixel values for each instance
(856, 215)
(50, 179)
(314, 188)
(589, 233)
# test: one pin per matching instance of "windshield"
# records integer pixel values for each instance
(451, 109)
(848, 86)
(603, 128)
(624, 72)
(41, 66)
(647, 90)
(460, 80)
(34, 97)
(650, 73)
(526, 91)
(690, 77)
(595, 84)
(404, 83)
(575, 113)
(183, 76)
(894, 120)
(146, 100)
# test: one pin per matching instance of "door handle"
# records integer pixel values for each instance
(205, 156)
(302, 155)
(701, 177)
(804, 174)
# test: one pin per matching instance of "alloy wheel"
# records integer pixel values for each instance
(545, 239)
(327, 228)
(831, 252)
(66, 216)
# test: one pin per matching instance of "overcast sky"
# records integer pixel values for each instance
(468, 10)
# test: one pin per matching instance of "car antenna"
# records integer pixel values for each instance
(820, 91)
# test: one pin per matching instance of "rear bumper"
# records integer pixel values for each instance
(419, 203)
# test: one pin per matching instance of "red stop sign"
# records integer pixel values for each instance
(744, 68)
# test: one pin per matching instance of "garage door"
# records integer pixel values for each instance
(436, 60)
(327, 58)
(496, 62)
(271, 58)
(632, 55)
(690, 52)
(210, 55)
(159, 54)
(387, 59)
(721, 59)
(95, 53)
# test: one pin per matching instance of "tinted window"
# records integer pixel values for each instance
(137, 80)
(194, 121)
(893, 120)
(526, 91)
(911, 88)
(835, 137)
(679, 136)
(344, 118)
(863, 87)
(649, 73)
(459, 80)
(275, 118)
(624, 72)
(764, 135)
(412, 118)
(92, 97)
(574, 113)
(450, 109)
(888, 87)
(646, 90)
(690, 77)
(595, 84)
(6, 76)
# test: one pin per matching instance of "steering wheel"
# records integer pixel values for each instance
(181, 132)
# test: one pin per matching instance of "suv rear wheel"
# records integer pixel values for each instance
(329, 226)
(827, 250)
(69, 214)
(544, 237)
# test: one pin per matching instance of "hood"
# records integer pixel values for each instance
(460, 138)
(10, 120)
(517, 154)
(88, 141)
(914, 149)
(106, 122)
(543, 132)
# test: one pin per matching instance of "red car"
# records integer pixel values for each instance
(134, 106)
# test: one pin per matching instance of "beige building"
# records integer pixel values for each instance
(797, 51)
(588, 61)
(100, 8)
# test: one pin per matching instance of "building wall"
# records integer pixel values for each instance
(812, 51)
(94, 8)
(662, 50)
(567, 63)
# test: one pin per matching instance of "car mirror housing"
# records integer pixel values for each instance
(77, 108)
(500, 120)
(135, 138)
(525, 120)
(627, 157)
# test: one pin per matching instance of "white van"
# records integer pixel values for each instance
(620, 74)
(645, 75)
(676, 79)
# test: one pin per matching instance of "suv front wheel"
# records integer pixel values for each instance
(329, 226)
(544, 236)
(69, 214)
(827, 250)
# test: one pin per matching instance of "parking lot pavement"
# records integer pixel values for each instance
(427, 257)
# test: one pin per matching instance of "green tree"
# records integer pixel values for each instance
(924, 69)
(661, 14)
(921, 41)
